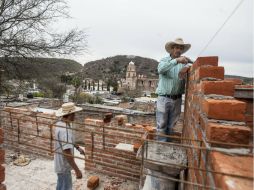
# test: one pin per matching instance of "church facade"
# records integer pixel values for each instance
(135, 81)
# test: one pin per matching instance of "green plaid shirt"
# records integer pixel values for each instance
(169, 83)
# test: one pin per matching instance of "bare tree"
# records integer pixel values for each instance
(25, 29)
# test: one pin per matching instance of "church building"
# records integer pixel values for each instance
(135, 81)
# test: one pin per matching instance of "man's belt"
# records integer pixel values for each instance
(174, 97)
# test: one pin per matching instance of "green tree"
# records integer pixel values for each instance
(52, 88)
(88, 98)
(76, 82)
(66, 79)
(93, 85)
(98, 86)
(89, 85)
(86, 84)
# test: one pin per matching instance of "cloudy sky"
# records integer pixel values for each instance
(142, 27)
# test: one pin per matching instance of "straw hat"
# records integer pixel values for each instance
(177, 41)
(67, 108)
(21, 161)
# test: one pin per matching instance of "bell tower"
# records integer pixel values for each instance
(131, 76)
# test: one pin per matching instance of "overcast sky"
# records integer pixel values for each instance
(142, 27)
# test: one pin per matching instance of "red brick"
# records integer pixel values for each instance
(191, 76)
(236, 81)
(209, 71)
(249, 107)
(93, 182)
(224, 109)
(201, 61)
(150, 130)
(2, 154)
(89, 121)
(121, 119)
(1, 136)
(200, 178)
(199, 133)
(250, 124)
(137, 126)
(128, 125)
(218, 87)
(238, 165)
(248, 118)
(210, 180)
(2, 174)
(107, 117)
(96, 122)
(136, 146)
(228, 133)
(239, 184)
(192, 176)
(99, 122)
(2, 187)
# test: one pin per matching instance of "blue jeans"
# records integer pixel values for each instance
(64, 181)
(167, 114)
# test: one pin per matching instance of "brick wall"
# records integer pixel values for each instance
(98, 113)
(28, 131)
(101, 152)
(31, 132)
(213, 118)
(2, 168)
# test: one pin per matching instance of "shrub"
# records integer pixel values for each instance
(38, 94)
(85, 97)
(153, 95)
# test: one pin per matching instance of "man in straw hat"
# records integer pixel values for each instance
(63, 158)
(171, 85)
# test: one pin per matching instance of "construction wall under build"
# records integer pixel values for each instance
(215, 119)
(2, 155)
(111, 149)
(217, 134)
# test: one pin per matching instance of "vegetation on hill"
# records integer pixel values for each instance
(115, 67)
(246, 80)
(103, 69)
(37, 68)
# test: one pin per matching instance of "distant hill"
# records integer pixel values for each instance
(246, 80)
(41, 68)
(116, 66)
(37, 68)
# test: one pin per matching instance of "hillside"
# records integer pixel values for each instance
(37, 68)
(111, 67)
(246, 80)
(116, 66)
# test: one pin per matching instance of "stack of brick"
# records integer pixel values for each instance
(101, 152)
(214, 118)
(2, 155)
(29, 131)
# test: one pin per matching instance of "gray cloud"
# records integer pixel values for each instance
(142, 27)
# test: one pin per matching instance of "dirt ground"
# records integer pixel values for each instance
(39, 174)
